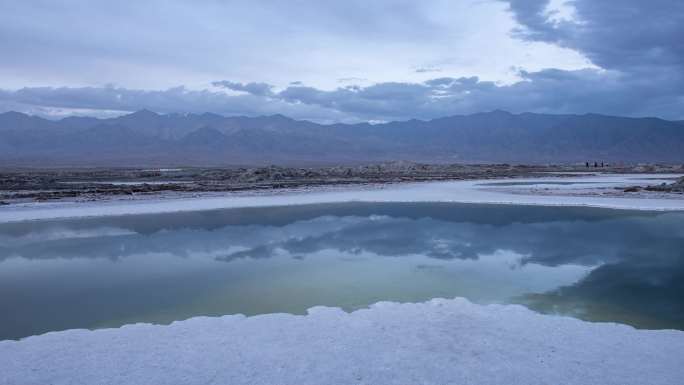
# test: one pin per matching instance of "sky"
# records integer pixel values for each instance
(342, 61)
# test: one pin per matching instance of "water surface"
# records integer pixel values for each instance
(594, 264)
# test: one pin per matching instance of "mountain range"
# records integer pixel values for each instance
(145, 138)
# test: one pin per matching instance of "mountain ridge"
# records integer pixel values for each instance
(148, 112)
(146, 137)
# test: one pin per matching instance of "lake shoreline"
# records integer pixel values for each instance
(596, 190)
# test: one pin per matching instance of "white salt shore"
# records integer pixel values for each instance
(438, 342)
(472, 191)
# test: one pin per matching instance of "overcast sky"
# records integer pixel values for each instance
(352, 60)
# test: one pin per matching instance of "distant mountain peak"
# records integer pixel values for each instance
(143, 113)
(500, 112)
(20, 118)
(280, 117)
(14, 114)
(211, 115)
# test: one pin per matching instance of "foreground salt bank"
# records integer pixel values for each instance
(438, 342)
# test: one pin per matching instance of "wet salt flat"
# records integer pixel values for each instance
(544, 183)
(129, 183)
(471, 191)
(593, 264)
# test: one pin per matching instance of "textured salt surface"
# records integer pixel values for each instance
(454, 191)
(438, 342)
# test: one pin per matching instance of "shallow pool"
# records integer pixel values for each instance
(594, 264)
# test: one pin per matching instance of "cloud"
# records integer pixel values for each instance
(638, 44)
(316, 42)
(547, 91)
(632, 50)
(422, 70)
(103, 100)
(351, 80)
(258, 89)
(625, 35)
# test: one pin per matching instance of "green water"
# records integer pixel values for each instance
(594, 264)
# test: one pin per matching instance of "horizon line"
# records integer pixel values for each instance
(369, 122)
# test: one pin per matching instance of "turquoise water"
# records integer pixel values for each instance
(594, 264)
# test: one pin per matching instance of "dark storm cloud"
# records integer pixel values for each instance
(640, 45)
(615, 34)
